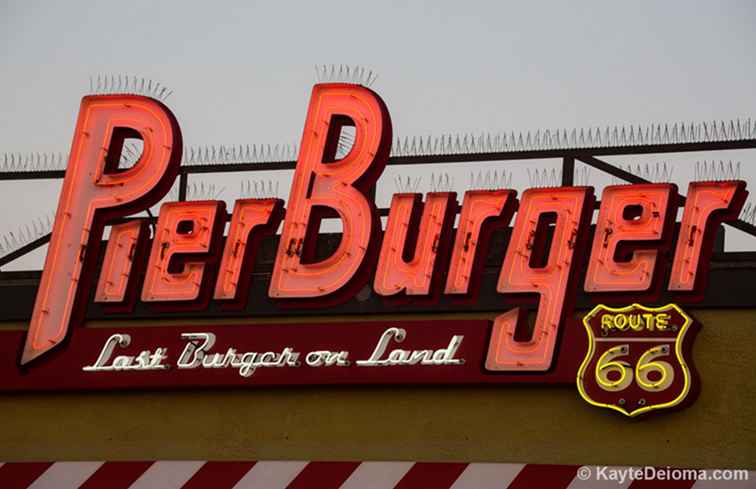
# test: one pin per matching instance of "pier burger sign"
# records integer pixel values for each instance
(633, 359)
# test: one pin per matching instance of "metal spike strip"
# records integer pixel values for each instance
(655, 172)
(32, 162)
(441, 182)
(712, 170)
(111, 84)
(552, 177)
(653, 134)
(12, 241)
(490, 180)
(346, 141)
(407, 185)
(129, 155)
(197, 191)
(345, 73)
(259, 189)
(748, 214)
(193, 155)
(430, 146)
(581, 177)
(545, 177)
(255, 153)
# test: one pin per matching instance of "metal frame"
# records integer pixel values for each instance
(586, 155)
(731, 273)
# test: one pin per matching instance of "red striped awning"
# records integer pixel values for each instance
(325, 475)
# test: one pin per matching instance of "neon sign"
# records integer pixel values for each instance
(637, 359)
(189, 262)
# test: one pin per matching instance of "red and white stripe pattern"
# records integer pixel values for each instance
(320, 475)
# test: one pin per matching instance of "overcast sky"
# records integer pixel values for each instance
(241, 72)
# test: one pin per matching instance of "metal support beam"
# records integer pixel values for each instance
(183, 182)
(27, 248)
(568, 171)
(533, 154)
(611, 169)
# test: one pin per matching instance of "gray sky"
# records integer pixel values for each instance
(241, 71)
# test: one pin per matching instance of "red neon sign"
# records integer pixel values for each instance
(190, 261)
(630, 213)
(184, 229)
(481, 211)
(394, 273)
(118, 263)
(707, 204)
(93, 192)
(251, 219)
(322, 183)
(550, 279)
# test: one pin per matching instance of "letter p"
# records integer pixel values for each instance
(94, 191)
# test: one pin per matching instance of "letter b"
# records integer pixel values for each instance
(321, 183)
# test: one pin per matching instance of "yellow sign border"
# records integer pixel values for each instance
(678, 353)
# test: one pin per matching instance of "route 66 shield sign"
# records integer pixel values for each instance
(638, 358)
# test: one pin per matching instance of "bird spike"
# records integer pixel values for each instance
(406, 185)
(259, 189)
(545, 177)
(748, 214)
(218, 155)
(346, 141)
(441, 182)
(444, 144)
(25, 234)
(32, 162)
(123, 84)
(581, 176)
(658, 172)
(197, 191)
(357, 75)
(130, 154)
(490, 180)
(713, 170)
(613, 136)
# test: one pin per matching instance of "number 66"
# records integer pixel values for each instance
(647, 363)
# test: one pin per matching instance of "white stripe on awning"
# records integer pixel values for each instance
(167, 475)
(65, 475)
(270, 475)
(377, 475)
(487, 476)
